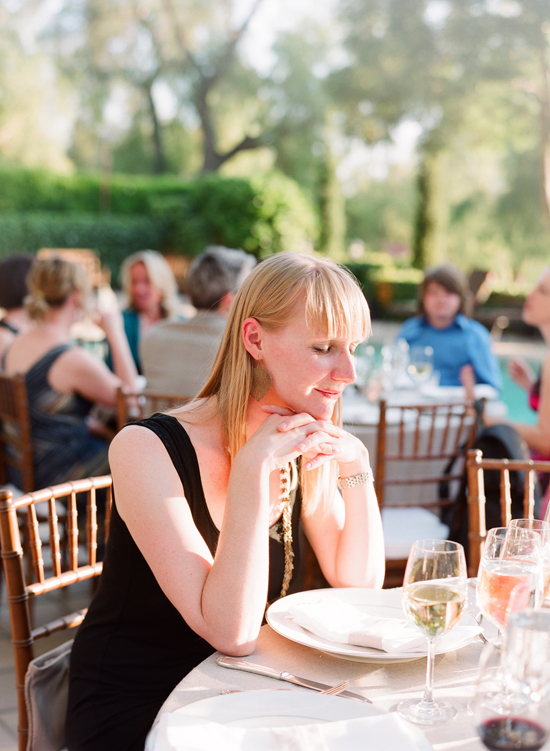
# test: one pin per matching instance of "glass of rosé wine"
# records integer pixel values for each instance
(510, 575)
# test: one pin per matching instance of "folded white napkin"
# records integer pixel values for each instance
(176, 732)
(337, 621)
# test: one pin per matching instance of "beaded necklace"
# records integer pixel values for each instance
(289, 480)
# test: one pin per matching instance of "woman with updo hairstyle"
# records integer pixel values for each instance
(13, 290)
(151, 293)
(208, 500)
(65, 381)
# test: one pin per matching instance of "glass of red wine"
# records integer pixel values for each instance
(521, 722)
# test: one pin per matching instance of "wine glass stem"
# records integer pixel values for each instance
(428, 697)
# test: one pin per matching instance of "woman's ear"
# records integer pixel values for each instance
(252, 337)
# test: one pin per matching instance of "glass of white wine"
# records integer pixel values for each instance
(421, 364)
(434, 597)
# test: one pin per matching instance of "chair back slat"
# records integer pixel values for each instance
(91, 519)
(477, 466)
(72, 530)
(28, 580)
(529, 495)
(507, 490)
(55, 538)
(35, 543)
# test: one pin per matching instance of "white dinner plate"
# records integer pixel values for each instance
(384, 603)
(257, 711)
(278, 708)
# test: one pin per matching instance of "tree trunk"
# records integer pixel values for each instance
(333, 215)
(159, 161)
(430, 235)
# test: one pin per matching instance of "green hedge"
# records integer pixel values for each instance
(262, 215)
(113, 237)
(38, 190)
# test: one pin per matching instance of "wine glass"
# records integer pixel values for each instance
(421, 364)
(505, 718)
(434, 595)
(543, 529)
(510, 573)
(526, 653)
(364, 363)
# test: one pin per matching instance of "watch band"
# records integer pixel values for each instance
(354, 480)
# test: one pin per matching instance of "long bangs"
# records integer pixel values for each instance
(334, 303)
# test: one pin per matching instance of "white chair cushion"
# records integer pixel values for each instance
(403, 526)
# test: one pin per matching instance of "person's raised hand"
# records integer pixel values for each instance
(520, 372)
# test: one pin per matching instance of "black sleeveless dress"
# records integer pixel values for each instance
(134, 647)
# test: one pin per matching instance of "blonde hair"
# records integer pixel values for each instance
(51, 282)
(334, 303)
(160, 274)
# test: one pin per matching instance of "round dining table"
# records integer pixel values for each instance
(384, 684)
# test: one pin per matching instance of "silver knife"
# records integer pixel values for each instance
(250, 667)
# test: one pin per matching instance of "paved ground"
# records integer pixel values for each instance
(59, 603)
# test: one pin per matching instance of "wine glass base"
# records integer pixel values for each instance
(422, 713)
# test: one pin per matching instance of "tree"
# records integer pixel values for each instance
(131, 53)
(436, 63)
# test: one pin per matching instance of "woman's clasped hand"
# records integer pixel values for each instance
(316, 441)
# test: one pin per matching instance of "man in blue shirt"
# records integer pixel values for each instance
(459, 344)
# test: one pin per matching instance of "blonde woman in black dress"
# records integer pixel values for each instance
(207, 501)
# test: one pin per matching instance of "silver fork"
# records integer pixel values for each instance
(334, 690)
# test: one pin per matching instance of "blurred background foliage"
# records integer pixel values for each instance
(390, 134)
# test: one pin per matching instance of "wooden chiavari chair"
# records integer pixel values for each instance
(477, 466)
(419, 449)
(26, 581)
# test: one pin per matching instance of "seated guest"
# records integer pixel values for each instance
(207, 501)
(13, 290)
(536, 312)
(460, 345)
(176, 356)
(152, 295)
(63, 381)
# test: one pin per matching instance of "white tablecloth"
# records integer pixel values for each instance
(385, 685)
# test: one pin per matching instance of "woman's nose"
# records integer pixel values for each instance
(345, 370)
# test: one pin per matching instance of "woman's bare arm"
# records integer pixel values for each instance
(537, 436)
(345, 530)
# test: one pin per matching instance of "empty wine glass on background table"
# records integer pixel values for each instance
(510, 573)
(364, 365)
(421, 364)
(434, 595)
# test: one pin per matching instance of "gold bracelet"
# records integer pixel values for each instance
(354, 480)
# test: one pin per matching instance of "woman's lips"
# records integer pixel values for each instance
(329, 393)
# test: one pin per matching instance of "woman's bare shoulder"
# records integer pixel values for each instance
(135, 445)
